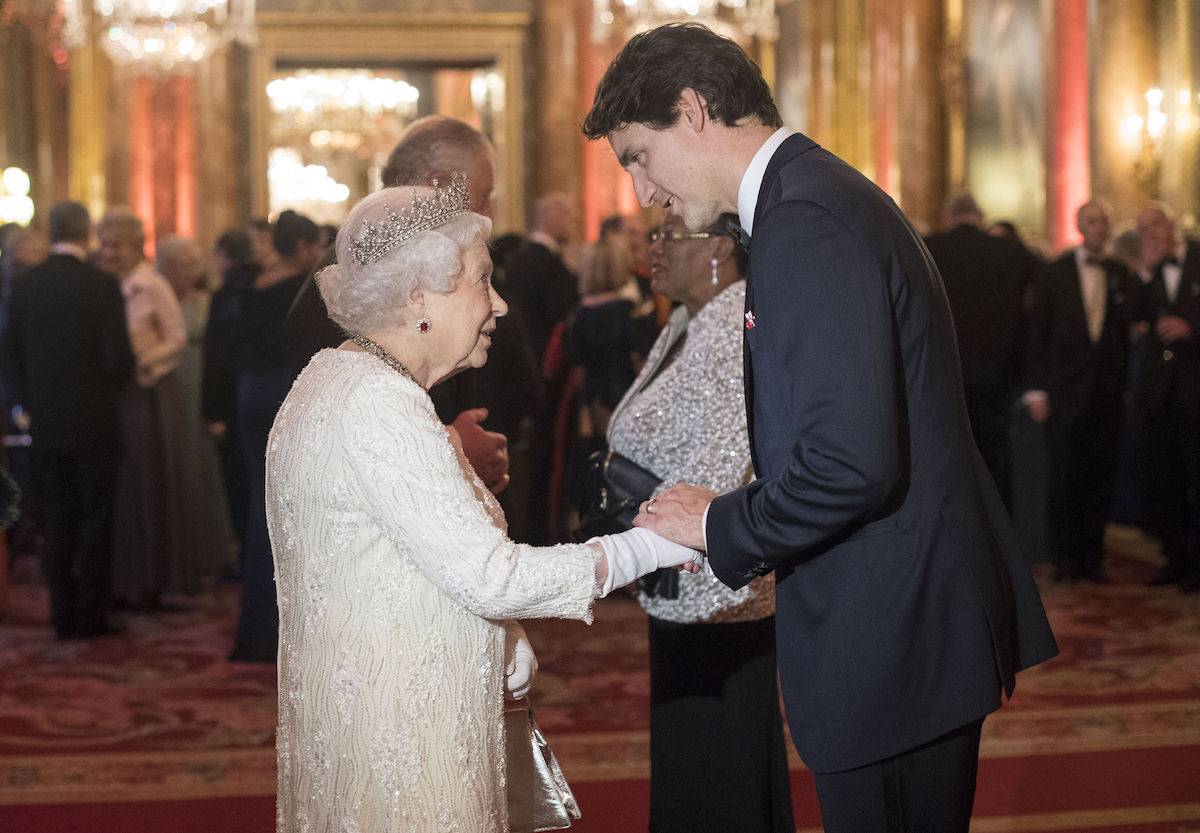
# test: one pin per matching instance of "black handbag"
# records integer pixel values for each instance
(615, 489)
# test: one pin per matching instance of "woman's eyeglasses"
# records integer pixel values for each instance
(676, 236)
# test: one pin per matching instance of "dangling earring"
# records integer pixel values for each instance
(423, 325)
(715, 280)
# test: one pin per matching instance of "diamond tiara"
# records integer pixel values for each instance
(423, 214)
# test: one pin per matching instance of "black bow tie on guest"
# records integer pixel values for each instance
(739, 234)
(1170, 260)
(1092, 260)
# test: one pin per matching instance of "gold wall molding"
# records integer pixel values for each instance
(498, 38)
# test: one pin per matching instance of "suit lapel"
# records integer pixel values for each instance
(1074, 297)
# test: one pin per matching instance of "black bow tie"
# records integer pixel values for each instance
(1170, 260)
(1092, 260)
(739, 234)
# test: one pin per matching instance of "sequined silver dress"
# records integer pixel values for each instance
(685, 420)
(394, 577)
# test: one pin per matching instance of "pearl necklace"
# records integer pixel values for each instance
(384, 356)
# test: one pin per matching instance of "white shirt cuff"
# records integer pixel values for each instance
(704, 525)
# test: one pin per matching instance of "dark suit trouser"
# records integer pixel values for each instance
(1175, 482)
(930, 789)
(1083, 459)
(718, 759)
(77, 497)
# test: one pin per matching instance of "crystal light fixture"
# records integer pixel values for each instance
(160, 34)
(737, 19)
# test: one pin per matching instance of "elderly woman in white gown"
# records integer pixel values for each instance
(396, 581)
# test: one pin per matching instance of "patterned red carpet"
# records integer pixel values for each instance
(153, 731)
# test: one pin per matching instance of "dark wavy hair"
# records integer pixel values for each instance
(290, 229)
(644, 81)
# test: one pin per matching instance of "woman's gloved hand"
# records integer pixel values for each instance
(638, 552)
(520, 663)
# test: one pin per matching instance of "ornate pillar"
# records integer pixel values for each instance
(1069, 177)
(928, 136)
(90, 76)
(561, 105)
(852, 122)
(216, 170)
(883, 40)
(1179, 39)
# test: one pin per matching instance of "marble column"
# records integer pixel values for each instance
(929, 76)
(1068, 181)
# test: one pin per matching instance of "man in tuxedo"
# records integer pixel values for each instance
(432, 148)
(68, 356)
(904, 606)
(1080, 342)
(1169, 398)
(986, 278)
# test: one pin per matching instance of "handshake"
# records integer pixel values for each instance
(638, 552)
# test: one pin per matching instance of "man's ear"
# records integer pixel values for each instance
(692, 109)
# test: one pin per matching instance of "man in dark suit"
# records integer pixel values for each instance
(1080, 341)
(537, 281)
(904, 607)
(543, 291)
(67, 357)
(1169, 398)
(986, 278)
(432, 148)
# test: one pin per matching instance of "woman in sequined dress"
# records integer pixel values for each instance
(397, 584)
(715, 729)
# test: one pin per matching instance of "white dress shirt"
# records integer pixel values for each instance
(747, 204)
(1093, 288)
(753, 177)
(72, 249)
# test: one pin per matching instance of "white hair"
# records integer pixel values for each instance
(371, 297)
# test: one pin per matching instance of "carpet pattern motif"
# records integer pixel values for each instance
(1105, 737)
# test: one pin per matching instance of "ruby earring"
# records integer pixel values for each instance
(423, 325)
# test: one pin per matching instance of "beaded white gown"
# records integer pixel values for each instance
(395, 576)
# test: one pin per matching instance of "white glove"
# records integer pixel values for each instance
(520, 664)
(638, 552)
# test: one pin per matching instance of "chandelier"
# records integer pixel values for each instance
(736, 19)
(160, 34)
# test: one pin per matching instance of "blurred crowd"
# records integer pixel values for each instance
(139, 391)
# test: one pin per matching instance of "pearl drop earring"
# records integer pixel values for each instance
(715, 280)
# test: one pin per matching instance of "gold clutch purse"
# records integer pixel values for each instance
(539, 797)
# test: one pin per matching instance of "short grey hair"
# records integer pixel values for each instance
(367, 298)
(124, 222)
(432, 146)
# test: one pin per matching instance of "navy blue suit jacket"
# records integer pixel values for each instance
(904, 604)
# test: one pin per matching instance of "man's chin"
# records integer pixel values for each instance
(699, 218)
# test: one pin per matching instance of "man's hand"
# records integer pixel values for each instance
(1038, 404)
(486, 451)
(678, 514)
(1172, 328)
